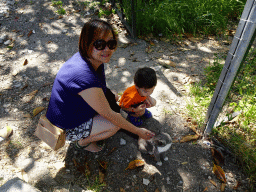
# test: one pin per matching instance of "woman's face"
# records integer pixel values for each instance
(102, 56)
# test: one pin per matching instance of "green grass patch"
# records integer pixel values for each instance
(184, 16)
(58, 5)
(239, 134)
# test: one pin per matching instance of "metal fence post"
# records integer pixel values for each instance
(240, 46)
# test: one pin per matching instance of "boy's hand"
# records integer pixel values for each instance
(140, 108)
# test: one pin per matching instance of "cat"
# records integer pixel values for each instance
(155, 146)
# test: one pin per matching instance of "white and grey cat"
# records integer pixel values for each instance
(155, 146)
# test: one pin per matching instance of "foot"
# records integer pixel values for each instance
(147, 114)
(135, 120)
(92, 147)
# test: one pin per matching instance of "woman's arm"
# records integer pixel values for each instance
(97, 100)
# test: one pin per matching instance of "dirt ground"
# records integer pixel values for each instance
(34, 43)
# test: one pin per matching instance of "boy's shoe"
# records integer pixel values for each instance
(135, 120)
(147, 114)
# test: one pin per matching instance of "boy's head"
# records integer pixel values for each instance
(145, 81)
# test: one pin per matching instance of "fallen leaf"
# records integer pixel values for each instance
(37, 110)
(218, 171)
(122, 190)
(194, 129)
(30, 33)
(157, 190)
(103, 164)
(135, 163)
(217, 156)
(149, 50)
(112, 150)
(151, 43)
(27, 98)
(206, 188)
(24, 87)
(166, 62)
(101, 177)
(25, 62)
(213, 182)
(189, 138)
(84, 169)
(175, 141)
(27, 115)
(184, 163)
(222, 187)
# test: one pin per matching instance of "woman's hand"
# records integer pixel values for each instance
(145, 134)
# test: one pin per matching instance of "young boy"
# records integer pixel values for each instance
(136, 98)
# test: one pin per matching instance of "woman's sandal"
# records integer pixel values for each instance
(100, 144)
(79, 147)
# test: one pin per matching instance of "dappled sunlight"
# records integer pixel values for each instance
(121, 61)
(204, 49)
(52, 47)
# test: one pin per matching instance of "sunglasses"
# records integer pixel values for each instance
(101, 44)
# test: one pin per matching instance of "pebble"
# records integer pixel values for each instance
(159, 163)
(2, 38)
(146, 181)
(8, 42)
(122, 142)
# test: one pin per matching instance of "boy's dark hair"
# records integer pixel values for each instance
(91, 31)
(145, 78)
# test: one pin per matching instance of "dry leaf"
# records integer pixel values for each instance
(30, 33)
(184, 163)
(112, 150)
(25, 62)
(218, 171)
(135, 163)
(149, 50)
(213, 182)
(194, 129)
(27, 98)
(222, 187)
(166, 62)
(151, 43)
(206, 188)
(217, 156)
(157, 190)
(122, 190)
(103, 164)
(101, 177)
(37, 110)
(24, 87)
(189, 138)
(27, 115)
(84, 169)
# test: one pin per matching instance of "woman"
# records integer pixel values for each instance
(78, 101)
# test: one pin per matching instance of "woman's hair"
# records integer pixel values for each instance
(91, 31)
(145, 78)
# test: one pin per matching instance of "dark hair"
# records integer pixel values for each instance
(90, 33)
(145, 78)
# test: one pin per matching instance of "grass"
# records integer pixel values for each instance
(171, 17)
(58, 5)
(240, 133)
